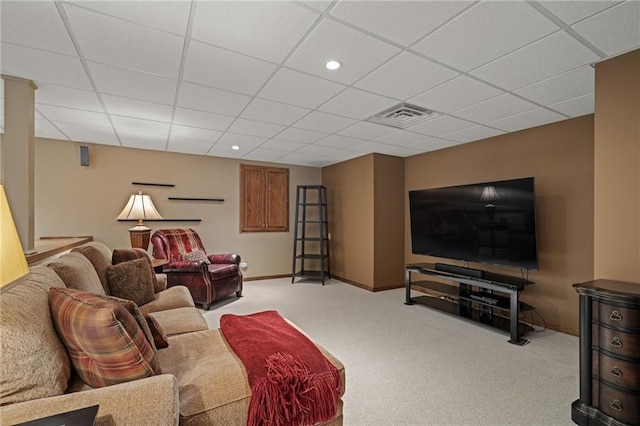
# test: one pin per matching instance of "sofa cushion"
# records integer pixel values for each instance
(174, 297)
(100, 256)
(219, 271)
(131, 280)
(34, 363)
(104, 342)
(159, 337)
(77, 272)
(125, 255)
(180, 320)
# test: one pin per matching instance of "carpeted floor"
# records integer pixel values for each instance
(411, 365)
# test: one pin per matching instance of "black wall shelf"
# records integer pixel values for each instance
(161, 220)
(194, 199)
(169, 185)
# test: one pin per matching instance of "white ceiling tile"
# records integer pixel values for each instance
(221, 68)
(324, 122)
(615, 30)
(131, 128)
(194, 133)
(132, 84)
(227, 152)
(358, 52)
(255, 128)
(44, 129)
(301, 159)
(35, 24)
(455, 94)
(405, 76)
(402, 23)
(495, 109)
(301, 135)
(526, 120)
(51, 94)
(266, 30)
(55, 113)
(336, 141)
(296, 88)
(137, 109)
(365, 130)
(243, 141)
(208, 99)
(552, 55)
(485, 32)
(109, 40)
(357, 104)
(367, 147)
(441, 125)
(404, 151)
(319, 5)
(261, 154)
(433, 145)
(274, 112)
(188, 146)
(315, 149)
(573, 11)
(90, 134)
(170, 16)
(152, 142)
(280, 145)
(41, 66)
(473, 134)
(206, 120)
(561, 87)
(576, 107)
(402, 138)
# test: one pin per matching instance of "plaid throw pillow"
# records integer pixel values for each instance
(105, 344)
(131, 280)
(196, 256)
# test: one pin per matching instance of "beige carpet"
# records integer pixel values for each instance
(411, 365)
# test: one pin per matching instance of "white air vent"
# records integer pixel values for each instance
(402, 116)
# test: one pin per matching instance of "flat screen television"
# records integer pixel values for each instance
(488, 222)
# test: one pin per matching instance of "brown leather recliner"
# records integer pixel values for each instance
(207, 281)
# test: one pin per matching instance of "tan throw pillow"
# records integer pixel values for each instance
(125, 255)
(104, 341)
(196, 256)
(77, 272)
(131, 280)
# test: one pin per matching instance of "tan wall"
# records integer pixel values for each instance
(75, 200)
(388, 259)
(617, 169)
(560, 157)
(350, 197)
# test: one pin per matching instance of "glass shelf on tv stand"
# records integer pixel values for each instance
(503, 314)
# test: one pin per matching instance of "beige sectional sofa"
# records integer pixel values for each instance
(202, 382)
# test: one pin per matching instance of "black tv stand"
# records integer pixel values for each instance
(460, 270)
(491, 299)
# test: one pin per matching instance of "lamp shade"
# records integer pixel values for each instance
(489, 193)
(139, 207)
(13, 264)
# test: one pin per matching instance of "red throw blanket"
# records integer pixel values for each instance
(292, 383)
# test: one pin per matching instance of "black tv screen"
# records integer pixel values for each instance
(489, 222)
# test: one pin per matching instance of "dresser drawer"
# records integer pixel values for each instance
(617, 342)
(621, 373)
(622, 406)
(617, 316)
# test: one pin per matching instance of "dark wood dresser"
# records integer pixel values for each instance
(609, 354)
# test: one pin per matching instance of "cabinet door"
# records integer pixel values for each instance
(277, 199)
(252, 198)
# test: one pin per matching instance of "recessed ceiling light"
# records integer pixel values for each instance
(236, 147)
(333, 65)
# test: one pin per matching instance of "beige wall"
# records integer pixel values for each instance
(388, 218)
(560, 157)
(617, 169)
(76, 200)
(350, 197)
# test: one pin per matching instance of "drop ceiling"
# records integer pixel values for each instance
(200, 77)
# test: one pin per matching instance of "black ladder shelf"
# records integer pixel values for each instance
(311, 234)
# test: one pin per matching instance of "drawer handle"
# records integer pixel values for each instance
(616, 371)
(616, 342)
(615, 316)
(616, 405)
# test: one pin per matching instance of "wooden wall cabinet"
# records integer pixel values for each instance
(264, 199)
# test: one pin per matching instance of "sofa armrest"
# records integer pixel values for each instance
(152, 401)
(224, 258)
(185, 266)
